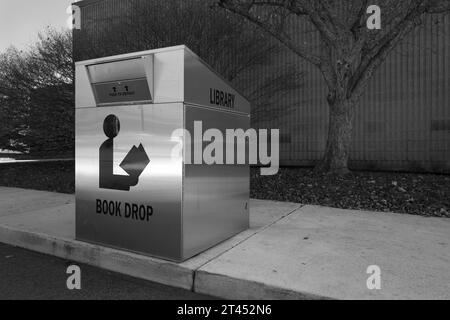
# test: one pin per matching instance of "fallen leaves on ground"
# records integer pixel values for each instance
(419, 194)
(47, 176)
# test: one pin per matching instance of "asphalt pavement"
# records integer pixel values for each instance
(29, 275)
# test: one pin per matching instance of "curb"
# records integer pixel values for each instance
(227, 287)
(131, 264)
(148, 268)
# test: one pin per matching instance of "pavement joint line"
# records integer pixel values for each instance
(241, 241)
(251, 235)
(194, 275)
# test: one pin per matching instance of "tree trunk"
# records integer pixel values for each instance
(335, 160)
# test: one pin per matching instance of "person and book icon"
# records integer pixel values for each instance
(133, 164)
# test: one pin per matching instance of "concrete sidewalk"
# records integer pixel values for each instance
(290, 252)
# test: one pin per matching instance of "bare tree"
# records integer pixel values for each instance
(231, 45)
(349, 53)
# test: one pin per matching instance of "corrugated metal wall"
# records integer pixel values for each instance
(401, 123)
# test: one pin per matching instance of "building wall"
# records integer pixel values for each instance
(402, 121)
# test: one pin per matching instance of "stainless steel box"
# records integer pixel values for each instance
(133, 190)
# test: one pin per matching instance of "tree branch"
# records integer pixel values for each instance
(439, 6)
(377, 55)
(297, 49)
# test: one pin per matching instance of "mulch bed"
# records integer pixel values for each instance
(419, 194)
(48, 176)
